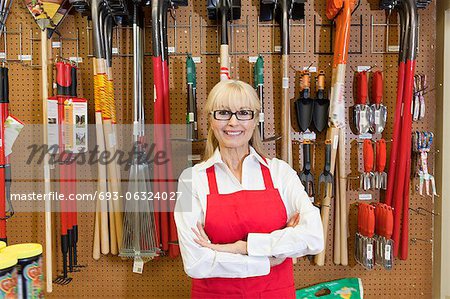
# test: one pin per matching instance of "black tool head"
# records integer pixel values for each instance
(232, 8)
(268, 9)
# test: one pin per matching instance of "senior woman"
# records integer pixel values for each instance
(241, 216)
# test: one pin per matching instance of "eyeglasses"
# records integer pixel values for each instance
(227, 114)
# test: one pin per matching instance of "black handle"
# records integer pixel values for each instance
(327, 157)
(2, 84)
(307, 157)
(73, 86)
(6, 85)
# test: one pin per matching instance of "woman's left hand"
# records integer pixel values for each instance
(239, 247)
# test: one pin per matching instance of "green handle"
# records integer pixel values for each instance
(259, 71)
(190, 70)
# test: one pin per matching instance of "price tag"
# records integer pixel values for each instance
(365, 136)
(387, 252)
(362, 68)
(277, 48)
(2, 55)
(194, 157)
(115, 50)
(171, 49)
(335, 142)
(191, 117)
(25, 57)
(252, 59)
(311, 69)
(369, 251)
(197, 59)
(76, 59)
(138, 265)
(377, 117)
(365, 196)
(394, 48)
(56, 44)
(286, 82)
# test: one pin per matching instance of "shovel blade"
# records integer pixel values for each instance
(320, 114)
(304, 108)
(361, 119)
(379, 119)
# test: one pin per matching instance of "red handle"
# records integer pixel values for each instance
(381, 155)
(370, 221)
(368, 155)
(377, 87)
(361, 88)
(67, 78)
(389, 222)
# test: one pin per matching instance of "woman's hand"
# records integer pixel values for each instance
(275, 261)
(239, 247)
(294, 220)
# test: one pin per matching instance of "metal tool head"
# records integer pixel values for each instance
(62, 280)
(232, 9)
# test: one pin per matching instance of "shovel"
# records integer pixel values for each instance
(381, 175)
(304, 105)
(321, 104)
(306, 176)
(361, 111)
(366, 179)
(378, 110)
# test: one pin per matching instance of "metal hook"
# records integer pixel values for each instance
(425, 210)
(415, 240)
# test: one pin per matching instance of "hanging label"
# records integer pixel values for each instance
(362, 68)
(365, 196)
(387, 252)
(277, 49)
(25, 57)
(2, 55)
(252, 59)
(80, 130)
(197, 59)
(286, 82)
(138, 265)
(261, 117)
(309, 136)
(76, 59)
(171, 49)
(394, 48)
(56, 44)
(369, 251)
(191, 117)
(52, 121)
(115, 50)
(311, 69)
(365, 136)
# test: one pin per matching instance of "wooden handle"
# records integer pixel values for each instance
(343, 198)
(96, 246)
(224, 63)
(286, 142)
(337, 221)
(325, 213)
(112, 233)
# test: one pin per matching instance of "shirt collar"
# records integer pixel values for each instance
(216, 158)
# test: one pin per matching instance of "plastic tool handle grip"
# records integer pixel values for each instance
(259, 71)
(307, 156)
(73, 85)
(368, 155)
(389, 222)
(190, 70)
(67, 78)
(377, 87)
(370, 221)
(327, 155)
(361, 88)
(381, 155)
(60, 81)
(2, 83)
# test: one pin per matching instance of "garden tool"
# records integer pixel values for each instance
(388, 253)
(364, 251)
(321, 104)
(397, 194)
(422, 142)
(361, 111)
(419, 99)
(380, 175)
(283, 10)
(326, 179)
(383, 248)
(259, 86)
(4, 12)
(304, 105)
(3, 175)
(366, 178)
(378, 110)
(306, 176)
(224, 10)
(191, 116)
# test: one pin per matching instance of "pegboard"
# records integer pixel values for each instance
(164, 277)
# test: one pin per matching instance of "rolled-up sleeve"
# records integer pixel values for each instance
(304, 239)
(201, 262)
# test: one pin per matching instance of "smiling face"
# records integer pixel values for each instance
(233, 96)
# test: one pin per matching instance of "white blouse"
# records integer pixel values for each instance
(200, 262)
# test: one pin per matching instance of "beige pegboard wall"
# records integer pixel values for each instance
(165, 278)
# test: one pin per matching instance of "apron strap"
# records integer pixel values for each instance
(212, 183)
(266, 176)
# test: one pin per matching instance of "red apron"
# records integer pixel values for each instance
(231, 217)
